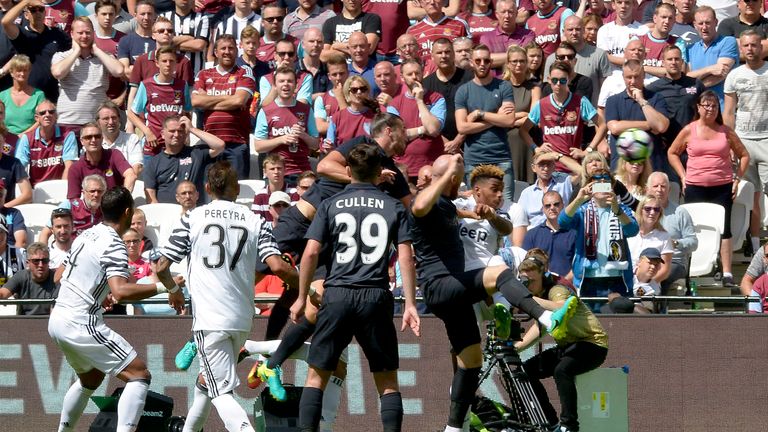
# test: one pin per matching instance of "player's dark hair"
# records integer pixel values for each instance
(385, 120)
(364, 162)
(221, 179)
(114, 203)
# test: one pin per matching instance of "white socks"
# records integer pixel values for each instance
(74, 403)
(232, 414)
(131, 405)
(546, 319)
(331, 402)
(198, 412)
(452, 429)
(268, 348)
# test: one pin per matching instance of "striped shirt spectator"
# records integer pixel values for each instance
(192, 31)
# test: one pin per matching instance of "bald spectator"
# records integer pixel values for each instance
(505, 34)
(47, 150)
(462, 48)
(36, 40)
(85, 210)
(592, 62)
(713, 56)
(307, 15)
(614, 84)
(407, 49)
(109, 163)
(362, 64)
(338, 30)
(312, 45)
(386, 81)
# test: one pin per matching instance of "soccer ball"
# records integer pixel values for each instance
(634, 145)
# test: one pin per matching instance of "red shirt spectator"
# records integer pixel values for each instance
(145, 68)
(546, 26)
(109, 46)
(232, 126)
(112, 166)
(394, 22)
(427, 31)
(60, 14)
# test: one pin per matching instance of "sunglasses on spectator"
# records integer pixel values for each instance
(35, 9)
(48, 111)
(61, 212)
(273, 19)
(561, 81)
(565, 56)
(285, 53)
(164, 30)
(358, 89)
(482, 61)
(649, 209)
(38, 261)
(709, 107)
(601, 177)
(131, 241)
(554, 204)
(90, 137)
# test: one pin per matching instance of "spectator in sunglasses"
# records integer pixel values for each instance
(33, 282)
(557, 242)
(650, 213)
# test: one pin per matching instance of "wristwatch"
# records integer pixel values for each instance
(480, 115)
(589, 149)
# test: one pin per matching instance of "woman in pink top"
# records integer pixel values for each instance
(709, 176)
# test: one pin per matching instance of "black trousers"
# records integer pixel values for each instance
(564, 364)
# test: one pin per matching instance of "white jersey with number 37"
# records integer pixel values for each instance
(223, 240)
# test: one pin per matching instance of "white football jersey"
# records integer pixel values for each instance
(97, 255)
(223, 240)
(481, 241)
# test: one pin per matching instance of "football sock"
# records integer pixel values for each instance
(131, 405)
(310, 408)
(463, 388)
(392, 412)
(232, 414)
(74, 403)
(261, 347)
(198, 412)
(546, 319)
(331, 402)
(293, 339)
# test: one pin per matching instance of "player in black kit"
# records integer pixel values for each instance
(388, 136)
(450, 292)
(361, 224)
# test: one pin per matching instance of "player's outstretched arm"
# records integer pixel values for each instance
(408, 273)
(306, 272)
(284, 270)
(122, 290)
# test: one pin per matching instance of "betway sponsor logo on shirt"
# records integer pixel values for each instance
(560, 130)
(551, 38)
(280, 131)
(171, 108)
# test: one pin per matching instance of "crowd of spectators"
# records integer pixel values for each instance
(149, 93)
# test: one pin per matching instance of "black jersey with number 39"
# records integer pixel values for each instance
(360, 224)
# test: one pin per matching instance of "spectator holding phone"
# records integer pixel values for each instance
(602, 263)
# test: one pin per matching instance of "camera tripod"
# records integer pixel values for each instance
(526, 413)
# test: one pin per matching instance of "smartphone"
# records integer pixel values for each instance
(601, 187)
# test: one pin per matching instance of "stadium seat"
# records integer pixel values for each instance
(50, 192)
(139, 199)
(8, 310)
(160, 218)
(519, 186)
(742, 206)
(709, 221)
(248, 189)
(36, 217)
(674, 192)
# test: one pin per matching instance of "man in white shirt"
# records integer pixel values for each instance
(108, 118)
(613, 37)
